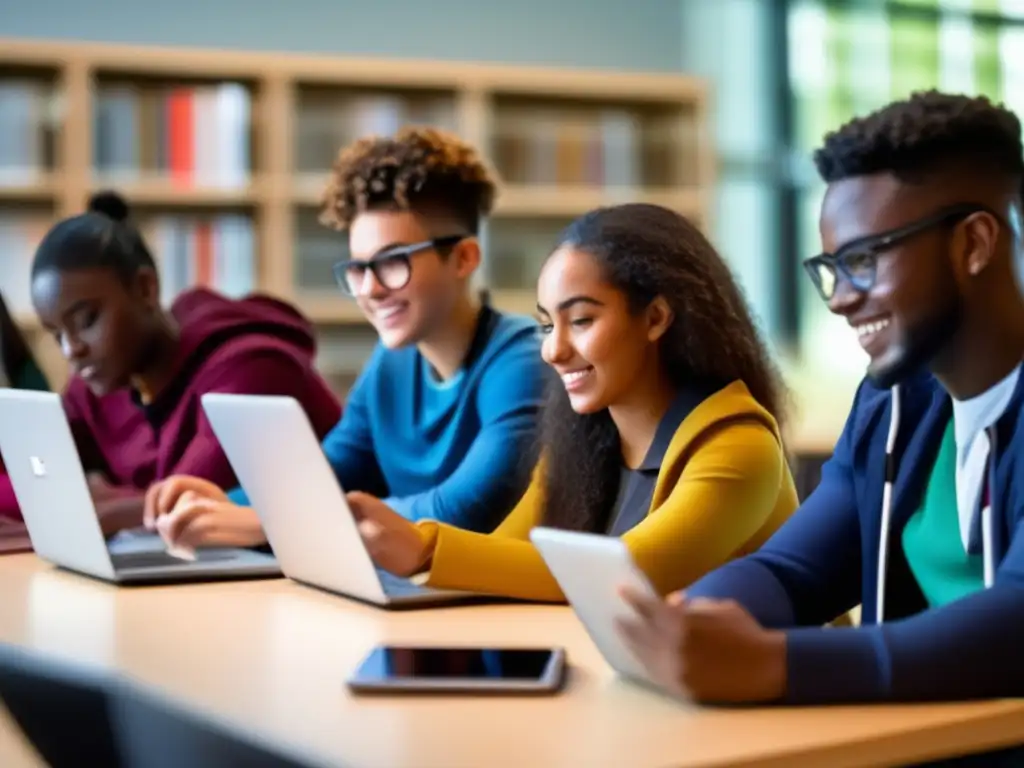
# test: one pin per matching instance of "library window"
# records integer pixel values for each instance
(850, 58)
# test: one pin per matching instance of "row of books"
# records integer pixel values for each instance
(610, 148)
(215, 251)
(515, 251)
(193, 135)
(328, 121)
(28, 120)
(317, 250)
(201, 136)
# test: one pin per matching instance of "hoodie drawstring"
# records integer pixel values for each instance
(988, 549)
(890, 478)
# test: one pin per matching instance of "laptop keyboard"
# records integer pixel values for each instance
(158, 559)
(396, 586)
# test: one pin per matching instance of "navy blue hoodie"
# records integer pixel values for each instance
(826, 559)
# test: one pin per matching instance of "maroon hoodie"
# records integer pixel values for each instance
(256, 345)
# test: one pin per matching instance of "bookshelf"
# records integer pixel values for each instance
(223, 156)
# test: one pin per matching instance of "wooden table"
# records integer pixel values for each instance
(271, 657)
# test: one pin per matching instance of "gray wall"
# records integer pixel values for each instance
(630, 34)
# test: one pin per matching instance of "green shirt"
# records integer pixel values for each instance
(931, 539)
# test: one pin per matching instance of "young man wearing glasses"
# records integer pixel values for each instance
(918, 514)
(441, 423)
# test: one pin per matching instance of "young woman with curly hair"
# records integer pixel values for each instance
(661, 426)
(441, 424)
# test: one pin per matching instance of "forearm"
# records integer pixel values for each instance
(490, 564)
(484, 489)
(457, 507)
(964, 650)
(753, 586)
(121, 513)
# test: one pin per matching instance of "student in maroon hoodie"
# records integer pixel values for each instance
(139, 370)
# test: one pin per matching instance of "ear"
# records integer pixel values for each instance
(466, 256)
(147, 287)
(659, 318)
(982, 233)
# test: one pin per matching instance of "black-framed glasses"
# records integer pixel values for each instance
(857, 261)
(392, 267)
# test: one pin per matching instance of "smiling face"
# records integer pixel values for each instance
(599, 348)
(101, 324)
(915, 305)
(409, 314)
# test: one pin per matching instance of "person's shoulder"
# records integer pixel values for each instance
(1011, 423)
(515, 324)
(211, 322)
(512, 356)
(727, 409)
(387, 374)
(512, 335)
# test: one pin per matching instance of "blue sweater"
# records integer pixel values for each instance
(825, 559)
(459, 451)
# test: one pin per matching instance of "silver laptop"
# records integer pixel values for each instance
(50, 484)
(275, 454)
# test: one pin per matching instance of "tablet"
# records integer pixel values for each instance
(591, 569)
(422, 669)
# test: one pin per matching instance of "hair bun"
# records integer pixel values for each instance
(110, 204)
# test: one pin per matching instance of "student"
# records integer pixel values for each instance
(918, 514)
(441, 423)
(662, 425)
(138, 370)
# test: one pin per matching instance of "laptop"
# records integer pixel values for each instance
(590, 569)
(50, 485)
(301, 504)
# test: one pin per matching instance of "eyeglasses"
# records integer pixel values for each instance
(392, 267)
(857, 261)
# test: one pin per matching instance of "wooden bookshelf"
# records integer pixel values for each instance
(261, 129)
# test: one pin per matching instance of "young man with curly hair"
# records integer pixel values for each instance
(441, 423)
(919, 513)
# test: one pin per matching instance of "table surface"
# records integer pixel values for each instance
(271, 657)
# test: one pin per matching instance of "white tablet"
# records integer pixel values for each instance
(590, 569)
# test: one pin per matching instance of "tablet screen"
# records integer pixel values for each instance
(410, 663)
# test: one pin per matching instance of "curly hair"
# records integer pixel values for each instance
(421, 169)
(102, 237)
(929, 131)
(647, 251)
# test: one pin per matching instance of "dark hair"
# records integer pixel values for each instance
(420, 169)
(15, 354)
(101, 238)
(647, 251)
(929, 131)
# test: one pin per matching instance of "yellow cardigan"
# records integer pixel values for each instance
(724, 487)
